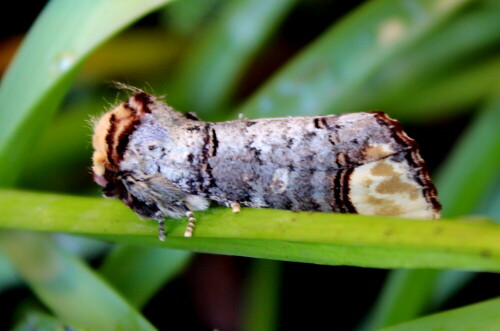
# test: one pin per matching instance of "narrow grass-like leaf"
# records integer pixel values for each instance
(402, 297)
(335, 69)
(447, 284)
(35, 320)
(62, 37)
(208, 72)
(52, 168)
(8, 276)
(323, 238)
(475, 161)
(67, 286)
(134, 54)
(187, 17)
(447, 94)
(440, 73)
(138, 272)
(261, 309)
(482, 316)
(491, 204)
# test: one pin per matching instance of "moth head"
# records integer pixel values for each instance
(112, 132)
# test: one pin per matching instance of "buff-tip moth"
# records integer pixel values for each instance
(162, 163)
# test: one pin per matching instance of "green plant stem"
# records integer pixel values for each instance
(345, 239)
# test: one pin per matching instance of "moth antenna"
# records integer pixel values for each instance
(153, 92)
(122, 86)
(190, 227)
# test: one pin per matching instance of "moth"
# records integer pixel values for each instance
(163, 163)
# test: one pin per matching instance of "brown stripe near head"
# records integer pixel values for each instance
(124, 138)
(110, 138)
(123, 122)
(316, 123)
(139, 103)
(192, 116)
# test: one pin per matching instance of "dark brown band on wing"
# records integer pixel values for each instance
(346, 178)
(421, 173)
(341, 203)
(336, 201)
(206, 177)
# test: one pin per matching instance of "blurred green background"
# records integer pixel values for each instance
(431, 64)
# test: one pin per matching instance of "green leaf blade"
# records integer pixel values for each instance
(481, 316)
(138, 272)
(208, 73)
(335, 68)
(75, 29)
(67, 286)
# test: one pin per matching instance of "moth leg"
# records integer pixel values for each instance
(190, 227)
(161, 226)
(161, 229)
(235, 207)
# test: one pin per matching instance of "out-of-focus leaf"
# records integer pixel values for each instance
(133, 55)
(389, 309)
(187, 17)
(468, 171)
(67, 166)
(67, 286)
(8, 276)
(441, 73)
(261, 309)
(336, 68)
(138, 272)
(62, 37)
(37, 321)
(447, 284)
(491, 204)
(208, 72)
(482, 316)
(447, 94)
